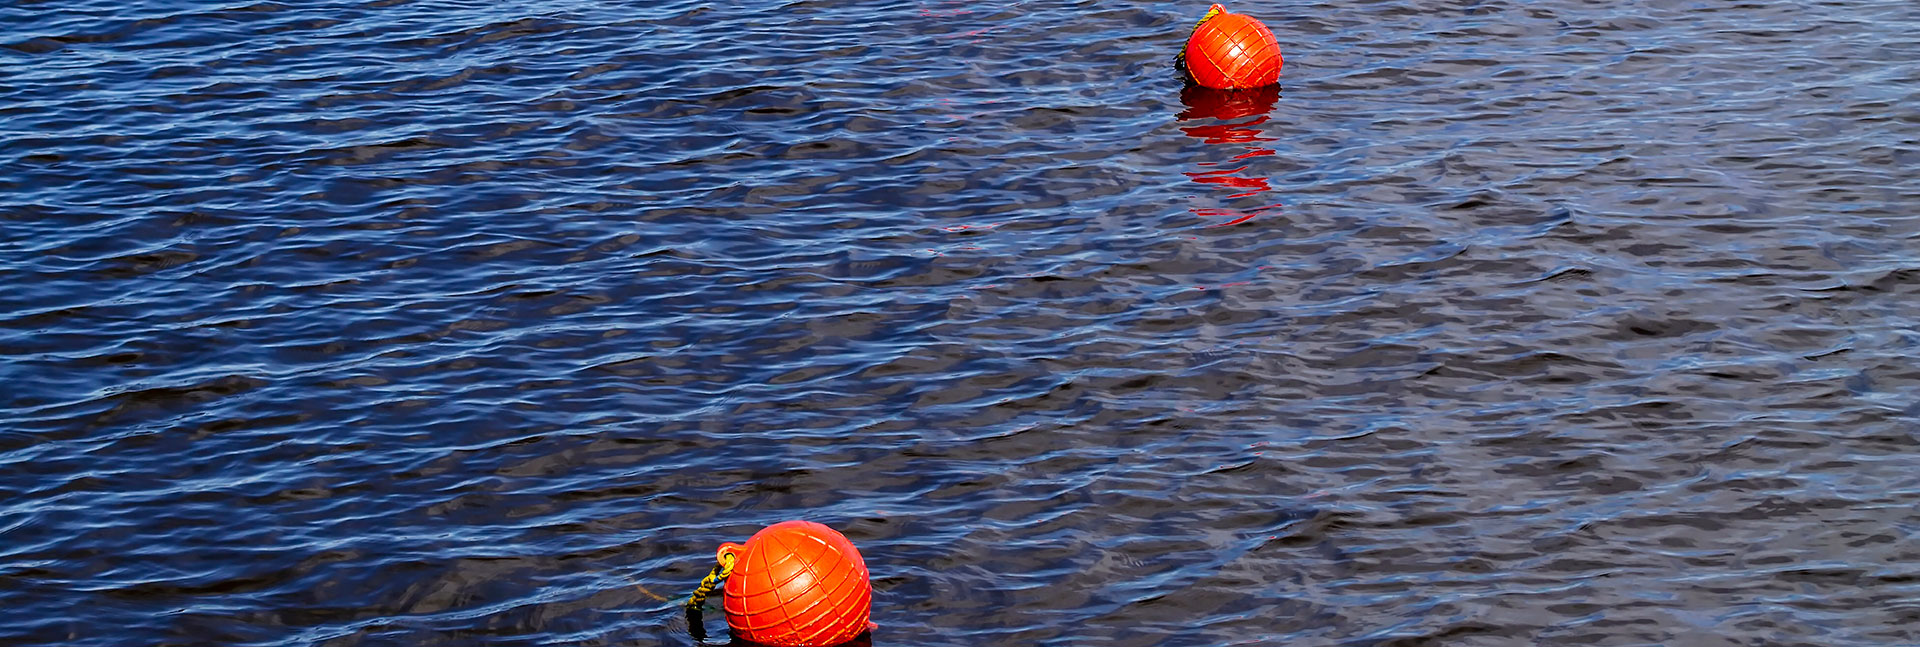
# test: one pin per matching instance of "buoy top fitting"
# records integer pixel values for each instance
(1230, 51)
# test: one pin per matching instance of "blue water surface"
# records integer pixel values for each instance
(411, 322)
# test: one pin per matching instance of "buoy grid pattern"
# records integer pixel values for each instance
(1233, 51)
(798, 588)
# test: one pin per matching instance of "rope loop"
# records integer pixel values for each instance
(712, 581)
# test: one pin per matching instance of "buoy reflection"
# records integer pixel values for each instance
(1208, 103)
(1231, 117)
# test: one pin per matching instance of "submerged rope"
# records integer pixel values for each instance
(711, 581)
(695, 624)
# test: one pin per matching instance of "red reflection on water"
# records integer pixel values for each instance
(1227, 106)
(959, 228)
(1208, 103)
(1229, 133)
(1226, 178)
(1233, 216)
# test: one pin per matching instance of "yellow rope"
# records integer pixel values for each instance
(1180, 58)
(1211, 12)
(711, 581)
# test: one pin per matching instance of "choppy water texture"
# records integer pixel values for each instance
(483, 323)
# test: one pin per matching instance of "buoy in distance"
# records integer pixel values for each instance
(797, 584)
(1229, 51)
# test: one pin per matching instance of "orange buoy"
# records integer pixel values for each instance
(797, 584)
(1229, 51)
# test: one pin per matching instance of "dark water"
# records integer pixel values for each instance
(483, 323)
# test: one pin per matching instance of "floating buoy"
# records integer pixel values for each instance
(1229, 51)
(794, 584)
